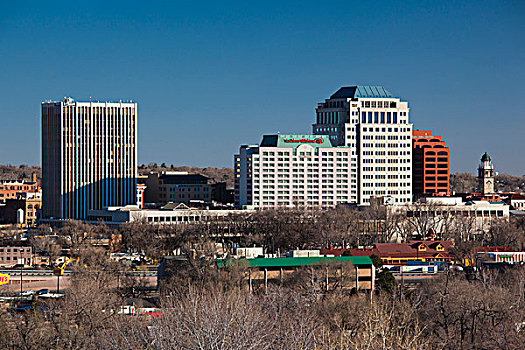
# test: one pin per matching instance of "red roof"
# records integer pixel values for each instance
(398, 250)
(492, 249)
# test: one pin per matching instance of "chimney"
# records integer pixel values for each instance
(33, 177)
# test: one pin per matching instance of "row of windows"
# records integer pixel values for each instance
(378, 104)
(382, 117)
(469, 213)
(15, 250)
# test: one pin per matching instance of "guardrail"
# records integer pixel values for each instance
(28, 272)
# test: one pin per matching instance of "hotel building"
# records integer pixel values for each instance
(89, 157)
(293, 170)
(375, 127)
(430, 173)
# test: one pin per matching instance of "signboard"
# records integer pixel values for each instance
(4, 279)
(316, 140)
(57, 271)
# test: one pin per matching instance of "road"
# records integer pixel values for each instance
(44, 279)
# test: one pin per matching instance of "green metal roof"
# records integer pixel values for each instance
(294, 262)
(363, 91)
(293, 141)
(485, 157)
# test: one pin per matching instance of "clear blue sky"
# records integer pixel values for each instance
(209, 76)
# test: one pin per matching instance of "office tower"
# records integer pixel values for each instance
(292, 171)
(486, 175)
(375, 126)
(89, 157)
(430, 163)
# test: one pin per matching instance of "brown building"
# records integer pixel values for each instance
(430, 168)
(400, 253)
(10, 256)
(177, 187)
(221, 194)
(10, 189)
(29, 206)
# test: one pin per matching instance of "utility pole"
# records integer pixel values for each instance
(21, 272)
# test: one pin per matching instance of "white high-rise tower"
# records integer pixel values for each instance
(89, 157)
(375, 125)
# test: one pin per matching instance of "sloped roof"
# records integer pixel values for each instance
(406, 248)
(361, 91)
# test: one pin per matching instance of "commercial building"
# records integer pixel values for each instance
(430, 174)
(177, 187)
(21, 210)
(13, 255)
(398, 254)
(293, 170)
(348, 271)
(11, 189)
(451, 213)
(221, 194)
(181, 215)
(515, 200)
(89, 156)
(375, 126)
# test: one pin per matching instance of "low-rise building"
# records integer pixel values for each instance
(449, 213)
(398, 254)
(179, 215)
(11, 189)
(515, 200)
(22, 210)
(177, 187)
(359, 270)
(16, 255)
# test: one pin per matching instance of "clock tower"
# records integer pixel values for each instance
(486, 175)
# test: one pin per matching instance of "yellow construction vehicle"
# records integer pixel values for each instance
(59, 270)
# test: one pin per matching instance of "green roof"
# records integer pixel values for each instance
(485, 157)
(293, 141)
(294, 262)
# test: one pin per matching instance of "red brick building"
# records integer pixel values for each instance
(10, 189)
(430, 168)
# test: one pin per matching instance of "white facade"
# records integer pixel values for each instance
(376, 128)
(89, 156)
(119, 215)
(486, 175)
(292, 171)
